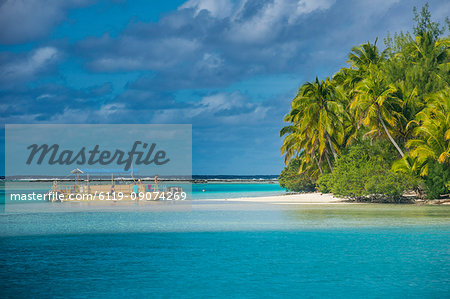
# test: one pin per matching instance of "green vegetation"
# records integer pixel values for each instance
(379, 127)
(293, 181)
(363, 172)
(437, 180)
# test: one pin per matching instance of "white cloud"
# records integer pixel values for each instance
(25, 20)
(217, 8)
(220, 108)
(109, 110)
(25, 68)
(308, 6)
(260, 25)
(211, 61)
(108, 113)
(271, 18)
(213, 50)
(134, 52)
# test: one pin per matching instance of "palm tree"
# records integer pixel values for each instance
(428, 60)
(298, 144)
(293, 143)
(316, 128)
(411, 105)
(363, 60)
(316, 106)
(345, 96)
(364, 57)
(376, 106)
(433, 132)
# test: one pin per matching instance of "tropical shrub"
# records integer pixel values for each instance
(437, 182)
(391, 186)
(363, 173)
(324, 183)
(293, 181)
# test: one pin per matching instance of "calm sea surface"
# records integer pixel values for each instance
(203, 249)
(199, 191)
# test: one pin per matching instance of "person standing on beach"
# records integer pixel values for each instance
(113, 191)
(136, 191)
(156, 183)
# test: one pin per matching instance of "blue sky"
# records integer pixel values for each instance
(228, 67)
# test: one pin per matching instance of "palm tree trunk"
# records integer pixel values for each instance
(331, 145)
(389, 136)
(329, 163)
(318, 165)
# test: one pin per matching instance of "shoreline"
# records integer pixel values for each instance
(314, 198)
(288, 199)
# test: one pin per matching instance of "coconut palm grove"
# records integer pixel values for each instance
(379, 128)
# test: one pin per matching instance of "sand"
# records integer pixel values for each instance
(303, 198)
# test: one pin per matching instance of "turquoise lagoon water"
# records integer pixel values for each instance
(227, 249)
(233, 190)
(199, 191)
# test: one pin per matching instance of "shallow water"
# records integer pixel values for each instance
(195, 216)
(235, 190)
(201, 249)
(212, 190)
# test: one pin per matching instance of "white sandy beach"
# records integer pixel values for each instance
(303, 198)
(307, 198)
